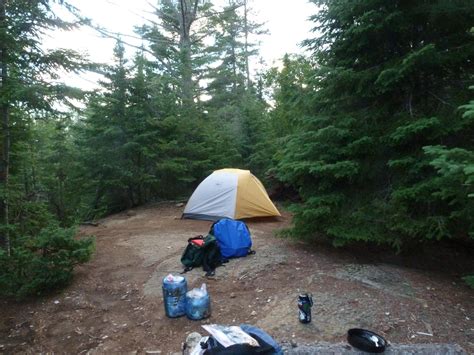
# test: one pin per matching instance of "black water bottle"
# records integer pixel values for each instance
(305, 302)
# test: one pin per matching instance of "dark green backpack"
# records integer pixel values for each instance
(206, 255)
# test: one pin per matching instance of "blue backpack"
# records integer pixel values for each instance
(233, 238)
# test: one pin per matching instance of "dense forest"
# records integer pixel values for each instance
(371, 133)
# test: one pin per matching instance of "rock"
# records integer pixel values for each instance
(150, 352)
(180, 204)
(293, 344)
(56, 302)
(232, 295)
(254, 313)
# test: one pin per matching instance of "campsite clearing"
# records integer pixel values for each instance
(115, 303)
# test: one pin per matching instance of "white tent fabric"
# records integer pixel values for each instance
(215, 196)
(229, 193)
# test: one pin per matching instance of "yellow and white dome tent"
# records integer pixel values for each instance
(231, 193)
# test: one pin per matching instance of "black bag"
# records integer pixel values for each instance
(207, 254)
(213, 347)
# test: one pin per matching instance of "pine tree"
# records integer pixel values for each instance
(390, 77)
(290, 89)
(233, 102)
(104, 136)
(26, 85)
(176, 41)
(37, 254)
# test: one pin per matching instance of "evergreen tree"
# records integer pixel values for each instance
(290, 89)
(233, 102)
(103, 141)
(176, 41)
(228, 78)
(135, 145)
(390, 77)
(27, 88)
(45, 168)
(36, 254)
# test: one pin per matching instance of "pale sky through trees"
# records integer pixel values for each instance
(286, 21)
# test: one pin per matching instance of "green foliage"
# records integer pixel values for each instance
(138, 144)
(176, 41)
(234, 105)
(292, 105)
(377, 148)
(37, 164)
(43, 175)
(469, 280)
(39, 265)
(32, 69)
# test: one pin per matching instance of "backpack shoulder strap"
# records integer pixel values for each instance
(186, 269)
(211, 230)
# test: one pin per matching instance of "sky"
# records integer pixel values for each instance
(286, 21)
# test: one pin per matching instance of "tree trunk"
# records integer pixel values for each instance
(246, 29)
(61, 206)
(234, 64)
(187, 12)
(98, 196)
(4, 116)
(186, 72)
(140, 182)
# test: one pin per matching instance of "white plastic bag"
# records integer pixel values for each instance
(198, 292)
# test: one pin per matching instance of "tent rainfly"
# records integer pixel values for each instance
(229, 193)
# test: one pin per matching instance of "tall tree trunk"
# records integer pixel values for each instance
(186, 72)
(234, 65)
(246, 29)
(61, 206)
(188, 11)
(4, 116)
(140, 182)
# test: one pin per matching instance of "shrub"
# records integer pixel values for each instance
(42, 264)
(469, 280)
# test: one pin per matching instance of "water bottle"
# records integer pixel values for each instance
(174, 295)
(305, 302)
(198, 303)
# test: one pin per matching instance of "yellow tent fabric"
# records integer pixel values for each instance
(252, 198)
(231, 193)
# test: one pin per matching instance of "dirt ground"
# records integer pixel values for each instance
(115, 303)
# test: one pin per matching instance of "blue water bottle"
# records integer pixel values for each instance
(174, 295)
(198, 303)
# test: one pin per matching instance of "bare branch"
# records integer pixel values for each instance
(441, 100)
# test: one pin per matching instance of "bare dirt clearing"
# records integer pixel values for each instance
(115, 302)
